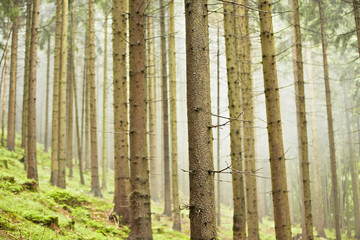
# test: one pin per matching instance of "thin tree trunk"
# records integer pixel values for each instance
(55, 111)
(61, 181)
(140, 189)
(70, 98)
(4, 88)
(87, 103)
(154, 162)
(218, 179)
(12, 94)
(346, 190)
(173, 120)
(26, 80)
(78, 137)
(202, 193)
(104, 135)
(95, 186)
(357, 24)
(46, 138)
(31, 134)
(121, 128)
(353, 167)
(239, 217)
(164, 98)
(301, 125)
(319, 222)
(276, 147)
(330, 128)
(248, 128)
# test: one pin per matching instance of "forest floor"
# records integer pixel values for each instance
(51, 213)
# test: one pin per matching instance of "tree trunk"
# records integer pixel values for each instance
(202, 193)
(31, 134)
(218, 190)
(104, 135)
(276, 147)
(12, 95)
(164, 97)
(4, 89)
(61, 181)
(154, 162)
(353, 167)
(26, 80)
(55, 111)
(319, 222)
(140, 192)
(301, 124)
(46, 137)
(86, 102)
(239, 217)
(173, 120)
(330, 128)
(70, 98)
(248, 127)
(78, 137)
(357, 24)
(95, 186)
(121, 128)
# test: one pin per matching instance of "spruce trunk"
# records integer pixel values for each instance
(104, 135)
(46, 137)
(121, 128)
(276, 147)
(12, 94)
(202, 193)
(330, 127)
(140, 189)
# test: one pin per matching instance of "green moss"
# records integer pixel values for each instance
(42, 219)
(63, 196)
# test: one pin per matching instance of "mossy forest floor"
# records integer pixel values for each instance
(53, 213)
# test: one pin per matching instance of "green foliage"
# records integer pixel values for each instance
(42, 219)
(63, 196)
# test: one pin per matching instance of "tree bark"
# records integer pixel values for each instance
(275, 138)
(173, 120)
(319, 223)
(104, 135)
(46, 137)
(61, 180)
(202, 193)
(330, 127)
(165, 111)
(154, 160)
(218, 190)
(31, 134)
(231, 47)
(121, 128)
(4, 88)
(302, 124)
(95, 186)
(12, 94)
(55, 111)
(140, 189)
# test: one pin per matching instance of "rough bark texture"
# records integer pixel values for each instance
(218, 179)
(55, 108)
(46, 137)
(233, 78)
(95, 185)
(173, 120)
(302, 125)
(202, 192)
(12, 93)
(31, 134)
(104, 135)
(154, 160)
(165, 111)
(26, 78)
(248, 124)
(275, 138)
(61, 180)
(140, 189)
(334, 181)
(121, 128)
(353, 168)
(319, 223)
